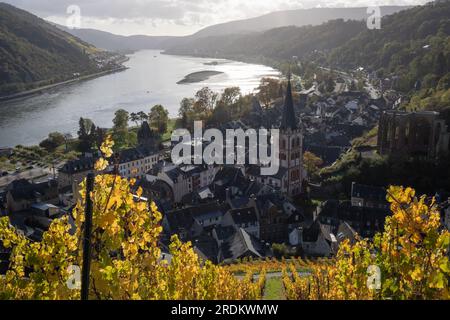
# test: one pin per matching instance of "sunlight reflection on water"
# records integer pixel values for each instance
(149, 80)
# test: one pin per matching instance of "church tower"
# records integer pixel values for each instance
(291, 147)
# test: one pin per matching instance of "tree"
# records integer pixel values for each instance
(67, 137)
(186, 113)
(204, 104)
(86, 135)
(120, 128)
(142, 116)
(159, 118)
(54, 140)
(100, 136)
(440, 64)
(127, 262)
(134, 117)
(269, 90)
(312, 163)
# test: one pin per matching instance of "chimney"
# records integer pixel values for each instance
(228, 194)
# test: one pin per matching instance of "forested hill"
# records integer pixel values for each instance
(412, 44)
(34, 52)
(279, 43)
(298, 18)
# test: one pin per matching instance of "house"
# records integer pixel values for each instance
(191, 222)
(206, 248)
(222, 234)
(345, 232)
(365, 221)
(278, 181)
(241, 245)
(243, 218)
(228, 181)
(157, 191)
(22, 194)
(46, 209)
(183, 179)
(317, 240)
(75, 171)
(136, 162)
(368, 196)
(276, 216)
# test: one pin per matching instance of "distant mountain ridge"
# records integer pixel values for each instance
(112, 42)
(35, 53)
(300, 17)
(412, 46)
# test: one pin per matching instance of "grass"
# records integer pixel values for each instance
(274, 289)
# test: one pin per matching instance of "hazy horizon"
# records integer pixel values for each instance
(175, 17)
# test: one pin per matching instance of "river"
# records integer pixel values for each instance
(151, 79)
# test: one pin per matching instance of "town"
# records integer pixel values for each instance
(233, 212)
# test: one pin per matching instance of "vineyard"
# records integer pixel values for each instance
(409, 260)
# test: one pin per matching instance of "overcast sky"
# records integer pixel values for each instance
(174, 17)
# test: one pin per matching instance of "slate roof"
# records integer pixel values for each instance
(79, 165)
(345, 231)
(137, 153)
(24, 190)
(224, 233)
(241, 245)
(243, 216)
(289, 120)
(368, 192)
(206, 247)
(183, 219)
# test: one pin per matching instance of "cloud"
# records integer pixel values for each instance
(175, 16)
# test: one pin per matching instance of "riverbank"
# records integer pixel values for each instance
(42, 89)
(147, 82)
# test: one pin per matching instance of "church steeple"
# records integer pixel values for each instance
(289, 120)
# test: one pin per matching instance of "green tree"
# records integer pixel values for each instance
(312, 163)
(269, 90)
(54, 140)
(134, 117)
(186, 113)
(205, 102)
(86, 135)
(142, 116)
(120, 129)
(159, 118)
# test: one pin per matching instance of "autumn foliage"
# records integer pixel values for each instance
(409, 260)
(126, 256)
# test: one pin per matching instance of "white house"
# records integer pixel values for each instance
(183, 179)
(136, 162)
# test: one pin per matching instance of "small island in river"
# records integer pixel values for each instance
(199, 76)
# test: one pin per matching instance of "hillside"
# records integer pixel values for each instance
(298, 18)
(118, 43)
(412, 44)
(281, 43)
(34, 52)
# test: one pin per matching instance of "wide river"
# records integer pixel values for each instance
(151, 79)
